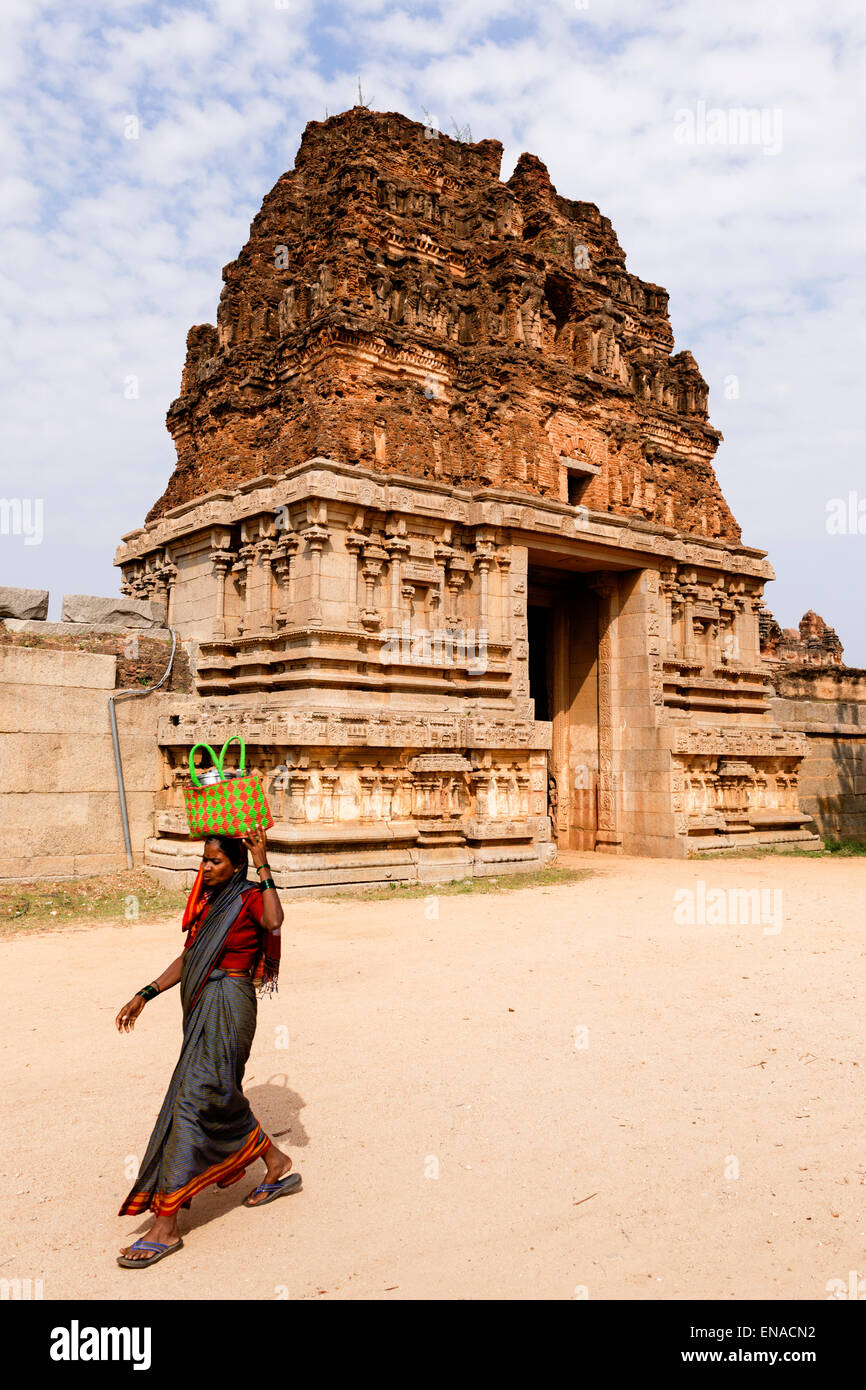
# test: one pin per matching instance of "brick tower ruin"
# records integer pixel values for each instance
(445, 539)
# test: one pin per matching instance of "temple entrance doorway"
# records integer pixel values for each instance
(563, 637)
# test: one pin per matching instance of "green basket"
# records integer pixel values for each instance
(233, 806)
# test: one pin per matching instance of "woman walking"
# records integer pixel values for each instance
(206, 1132)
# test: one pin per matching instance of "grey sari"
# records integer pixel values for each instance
(206, 1132)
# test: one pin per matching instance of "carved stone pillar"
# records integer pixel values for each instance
(442, 554)
(425, 786)
(407, 594)
(374, 558)
(483, 562)
(159, 583)
(714, 651)
(609, 835)
(503, 560)
(329, 781)
(481, 781)
(388, 783)
(435, 601)
(297, 795)
(221, 561)
(316, 537)
(240, 570)
(170, 576)
(281, 568)
(457, 572)
(397, 548)
(689, 593)
(355, 541)
(734, 781)
(369, 782)
(264, 552)
(751, 620)
(668, 589)
(560, 640)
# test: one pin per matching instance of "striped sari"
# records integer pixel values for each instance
(206, 1132)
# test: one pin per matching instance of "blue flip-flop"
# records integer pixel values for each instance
(274, 1190)
(159, 1253)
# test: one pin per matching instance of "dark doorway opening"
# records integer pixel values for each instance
(537, 624)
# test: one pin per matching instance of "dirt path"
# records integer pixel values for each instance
(418, 1046)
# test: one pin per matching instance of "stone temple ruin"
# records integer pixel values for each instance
(444, 540)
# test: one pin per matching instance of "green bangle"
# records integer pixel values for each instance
(265, 884)
(149, 992)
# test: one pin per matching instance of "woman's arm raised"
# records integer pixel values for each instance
(272, 911)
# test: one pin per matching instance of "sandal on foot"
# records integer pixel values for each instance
(274, 1190)
(159, 1253)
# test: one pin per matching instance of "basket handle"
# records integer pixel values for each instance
(217, 760)
(235, 738)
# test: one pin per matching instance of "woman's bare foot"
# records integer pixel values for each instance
(163, 1231)
(277, 1165)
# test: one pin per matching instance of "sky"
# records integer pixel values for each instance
(138, 140)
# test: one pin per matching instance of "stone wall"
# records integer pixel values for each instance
(59, 804)
(828, 706)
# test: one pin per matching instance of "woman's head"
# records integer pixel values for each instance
(223, 856)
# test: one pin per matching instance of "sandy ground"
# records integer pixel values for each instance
(456, 1046)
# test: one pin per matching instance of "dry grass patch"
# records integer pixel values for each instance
(124, 897)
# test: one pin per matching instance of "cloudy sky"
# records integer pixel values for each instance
(113, 246)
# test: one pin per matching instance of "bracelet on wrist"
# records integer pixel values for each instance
(149, 992)
(265, 884)
(266, 866)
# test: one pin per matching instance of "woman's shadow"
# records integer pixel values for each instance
(278, 1110)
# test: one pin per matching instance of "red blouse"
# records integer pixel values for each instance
(244, 941)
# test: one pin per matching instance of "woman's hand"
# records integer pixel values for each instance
(272, 911)
(129, 1013)
(257, 846)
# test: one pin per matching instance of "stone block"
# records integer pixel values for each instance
(46, 824)
(41, 629)
(26, 866)
(68, 761)
(127, 612)
(23, 603)
(32, 666)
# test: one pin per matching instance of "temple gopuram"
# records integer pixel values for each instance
(445, 542)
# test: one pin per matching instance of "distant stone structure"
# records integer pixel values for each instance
(446, 535)
(815, 644)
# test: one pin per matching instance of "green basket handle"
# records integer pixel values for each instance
(192, 772)
(217, 758)
(242, 762)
